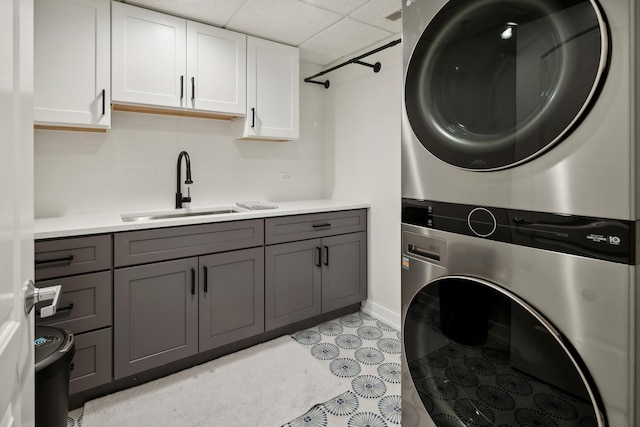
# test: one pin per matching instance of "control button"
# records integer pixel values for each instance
(482, 222)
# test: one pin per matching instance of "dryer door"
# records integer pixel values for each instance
(480, 356)
(493, 83)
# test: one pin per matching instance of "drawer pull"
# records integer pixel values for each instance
(42, 262)
(193, 281)
(319, 253)
(59, 310)
(321, 226)
(72, 366)
(326, 255)
(206, 273)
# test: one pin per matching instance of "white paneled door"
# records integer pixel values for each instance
(16, 212)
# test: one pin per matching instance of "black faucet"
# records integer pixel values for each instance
(179, 199)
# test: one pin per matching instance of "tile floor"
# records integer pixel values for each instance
(364, 353)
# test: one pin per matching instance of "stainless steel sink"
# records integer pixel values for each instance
(150, 216)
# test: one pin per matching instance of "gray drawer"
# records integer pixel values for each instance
(138, 247)
(91, 365)
(309, 226)
(85, 302)
(65, 257)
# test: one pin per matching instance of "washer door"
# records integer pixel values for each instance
(480, 356)
(494, 83)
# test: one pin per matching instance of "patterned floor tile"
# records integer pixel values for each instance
(364, 353)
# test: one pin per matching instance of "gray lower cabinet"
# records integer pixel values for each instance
(155, 318)
(91, 364)
(170, 310)
(82, 267)
(231, 297)
(344, 270)
(310, 277)
(293, 279)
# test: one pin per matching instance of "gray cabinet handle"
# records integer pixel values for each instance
(66, 259)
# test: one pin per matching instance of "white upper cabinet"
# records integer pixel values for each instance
(72, 64)
(148, 57)
(216, 69)
(273, 92)
(160, 60)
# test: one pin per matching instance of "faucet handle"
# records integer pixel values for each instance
(188, 198)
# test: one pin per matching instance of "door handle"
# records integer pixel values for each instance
(319, 254)
(193, 281)
(326, 255)
(193, 88)
(206, 274)
(181, 87)
(104, 96)
(65, 259)
(33, 295)
(253, 117)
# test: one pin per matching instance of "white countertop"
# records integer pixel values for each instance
(96, 223)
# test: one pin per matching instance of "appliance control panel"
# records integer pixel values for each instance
(600, 238)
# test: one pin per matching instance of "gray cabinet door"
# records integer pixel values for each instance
(65, 257)
(91, 365)
(155, 317)
(160, 244)
(84, 305)
(312, 226)
(344, 270)
(292, 282)
(231, 297)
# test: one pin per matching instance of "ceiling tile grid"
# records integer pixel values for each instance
(287, 21)
(375, 13)
(345, 37)
(324, 30)
(215, 12)
(343, 7)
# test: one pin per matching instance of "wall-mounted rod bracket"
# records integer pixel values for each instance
(376, 67)
(325, 83)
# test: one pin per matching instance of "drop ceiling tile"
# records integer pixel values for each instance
(375, 14)
(215, 12)
(286, 21)
(316, 57)
(343, 7)
(345, 37)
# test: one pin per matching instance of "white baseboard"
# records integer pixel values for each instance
(389, 317)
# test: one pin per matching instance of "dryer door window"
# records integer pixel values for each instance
(480, 356)
(494, 83)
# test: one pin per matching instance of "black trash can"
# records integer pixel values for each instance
(54, 350)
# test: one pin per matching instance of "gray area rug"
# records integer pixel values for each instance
(265, 385)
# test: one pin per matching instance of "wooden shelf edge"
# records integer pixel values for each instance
(69, 128)
(171, 112)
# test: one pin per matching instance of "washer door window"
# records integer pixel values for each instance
(493, 83)
(480, 356)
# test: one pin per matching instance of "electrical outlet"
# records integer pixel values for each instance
(286, 176)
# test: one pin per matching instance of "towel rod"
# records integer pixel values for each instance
(376, 67)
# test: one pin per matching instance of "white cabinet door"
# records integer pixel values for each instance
(216, 69)
(72, 63)
(148, 59)
(273, 92)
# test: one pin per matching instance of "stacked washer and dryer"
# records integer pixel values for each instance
(519, 213)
